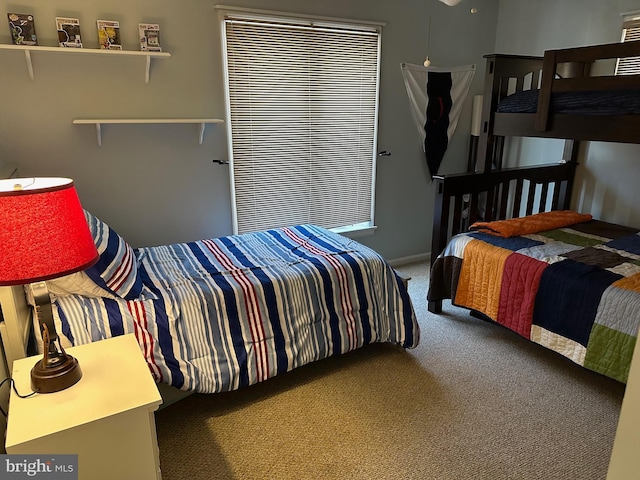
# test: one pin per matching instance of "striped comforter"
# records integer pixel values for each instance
(575, 290)
(221, 314)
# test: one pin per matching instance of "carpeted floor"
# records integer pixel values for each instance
(472, 401)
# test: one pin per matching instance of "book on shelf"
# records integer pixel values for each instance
(23, 29)
(149, 37)
(109, 34)
(68, 32)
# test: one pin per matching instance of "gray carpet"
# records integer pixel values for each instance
(472, 401)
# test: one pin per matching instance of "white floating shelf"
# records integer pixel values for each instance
(84, 51)
(98, 122)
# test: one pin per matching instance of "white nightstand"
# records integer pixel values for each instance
(107, 418)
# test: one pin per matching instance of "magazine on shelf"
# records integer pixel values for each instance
(149, 37)
(109, 34)
(23, 29)
(68, 32)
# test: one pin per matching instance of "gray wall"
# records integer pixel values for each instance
(156, 185)
(153, 183)
(608, 175)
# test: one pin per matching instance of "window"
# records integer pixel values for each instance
(630, 32)
(302, 104)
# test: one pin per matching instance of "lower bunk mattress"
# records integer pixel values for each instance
(573, 289)
(220, 314)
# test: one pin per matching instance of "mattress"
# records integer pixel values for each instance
(615, 102)
(221, 314)
(574, 290)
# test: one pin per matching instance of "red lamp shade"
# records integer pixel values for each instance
(43, 231)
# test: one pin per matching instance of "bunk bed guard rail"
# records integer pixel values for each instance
(462, 199)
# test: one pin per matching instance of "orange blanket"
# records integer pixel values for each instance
(480, 281)
(531, 224)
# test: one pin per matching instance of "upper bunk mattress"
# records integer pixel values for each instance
(613, 102)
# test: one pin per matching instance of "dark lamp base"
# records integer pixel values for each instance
(63, 372)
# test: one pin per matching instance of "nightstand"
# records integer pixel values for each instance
(107, 418)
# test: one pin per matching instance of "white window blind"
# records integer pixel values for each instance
(630, 32)
(302, 101)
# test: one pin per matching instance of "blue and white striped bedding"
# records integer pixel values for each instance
(217, 315)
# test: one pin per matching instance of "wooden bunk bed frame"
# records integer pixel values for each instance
(490, 192)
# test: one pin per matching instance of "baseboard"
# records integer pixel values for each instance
(398, 262)
(421, 257)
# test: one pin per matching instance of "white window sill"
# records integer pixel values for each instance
(355, 231)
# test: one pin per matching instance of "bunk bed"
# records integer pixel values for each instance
(524, 96)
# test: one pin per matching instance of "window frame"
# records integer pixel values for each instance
(238, 13)
(630, 32)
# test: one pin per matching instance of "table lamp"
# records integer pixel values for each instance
(44, 235)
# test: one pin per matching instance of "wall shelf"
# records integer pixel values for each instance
(201, 122)
(85, 51)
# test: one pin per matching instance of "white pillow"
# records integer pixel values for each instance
(79, 284)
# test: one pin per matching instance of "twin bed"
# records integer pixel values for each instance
(221, 314)
(574, 288)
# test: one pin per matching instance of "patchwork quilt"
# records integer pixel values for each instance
(574, 290)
